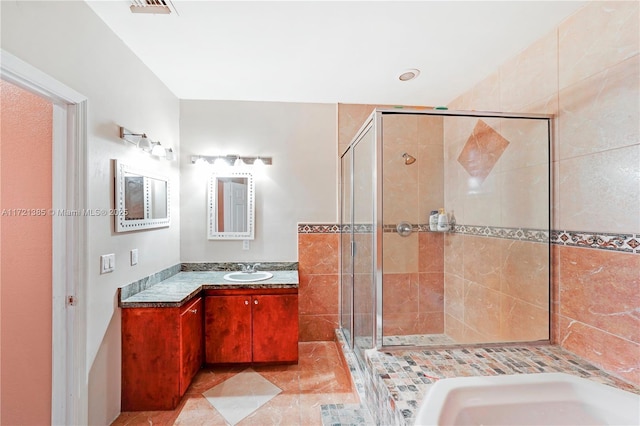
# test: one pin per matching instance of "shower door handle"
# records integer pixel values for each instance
(353, 249)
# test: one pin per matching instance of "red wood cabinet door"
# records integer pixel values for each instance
(275, 328)
(150, 359)
(191, 350)
(227, 329)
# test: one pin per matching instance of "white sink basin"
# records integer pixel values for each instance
(527, 399)
(248, 277)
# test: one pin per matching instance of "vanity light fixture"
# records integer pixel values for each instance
(230, 160)
(147, 145)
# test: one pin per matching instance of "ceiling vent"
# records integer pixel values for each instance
(163, 7)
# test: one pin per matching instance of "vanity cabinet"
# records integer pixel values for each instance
(162, 350)
(251, 325)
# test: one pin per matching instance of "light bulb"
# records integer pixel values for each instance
(169, 154)
(158, 150)
(144, 143)
(221, 163)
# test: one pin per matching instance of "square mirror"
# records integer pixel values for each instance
(141, 199)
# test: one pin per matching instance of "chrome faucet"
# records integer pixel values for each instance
(249, 268)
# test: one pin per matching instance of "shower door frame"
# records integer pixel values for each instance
(374, 121)
(370, 123)
(377, 115)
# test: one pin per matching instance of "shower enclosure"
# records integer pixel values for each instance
(481, 277)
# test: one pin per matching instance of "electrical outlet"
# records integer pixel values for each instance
(107, 263)
(245, 245)
(134, 257)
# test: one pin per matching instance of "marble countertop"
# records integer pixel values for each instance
(183, 286)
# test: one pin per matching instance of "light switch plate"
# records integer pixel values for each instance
(107, 263)
(134, 257)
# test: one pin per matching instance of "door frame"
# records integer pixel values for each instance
(69, 393)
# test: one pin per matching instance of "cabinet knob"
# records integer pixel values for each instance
(246, 302)
(255, 302)
(193, 311)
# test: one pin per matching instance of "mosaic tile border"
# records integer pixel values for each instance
(524, 234)
(318, 228)
(626, 243)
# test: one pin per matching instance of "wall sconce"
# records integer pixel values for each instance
(147, 145)
(231, 160)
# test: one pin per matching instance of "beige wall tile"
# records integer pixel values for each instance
(400, 184)
(350, 118)
(597, 37)
(524, 199)
(601, 192)
(430, 180)
(528, 143)
(601, 112)
(484, 96)
(525, 271)
(482, 201)
(454, 254)
(531, 75)
(400, 254)
(521, 321)
(430, 129)
(454, 292)
(454, 328)
(482, 310)
(482, 261)
(430, 165)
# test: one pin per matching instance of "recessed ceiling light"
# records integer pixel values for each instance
(409, 74)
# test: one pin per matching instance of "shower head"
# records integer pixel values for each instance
(408, 159)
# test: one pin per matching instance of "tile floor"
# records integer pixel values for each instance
(320, 377)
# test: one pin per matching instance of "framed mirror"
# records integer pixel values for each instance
(231, 206)
(142, 199)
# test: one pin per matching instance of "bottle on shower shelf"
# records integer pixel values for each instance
(443, 220)
(433, 220)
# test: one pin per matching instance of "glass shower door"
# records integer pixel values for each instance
(357, 242)
(364, 241)
(346, 260)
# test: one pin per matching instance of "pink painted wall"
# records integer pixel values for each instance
(25, 271)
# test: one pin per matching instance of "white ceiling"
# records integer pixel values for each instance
(330, 51)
